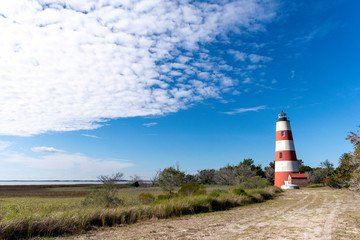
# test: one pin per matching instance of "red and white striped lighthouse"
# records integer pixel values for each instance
(285, 156)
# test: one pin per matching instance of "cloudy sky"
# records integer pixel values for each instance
(93, 87)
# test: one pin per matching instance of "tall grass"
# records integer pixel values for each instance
(21, 219)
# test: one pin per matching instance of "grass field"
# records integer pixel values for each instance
(50, 211)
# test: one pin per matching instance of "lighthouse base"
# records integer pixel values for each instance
(290, 186)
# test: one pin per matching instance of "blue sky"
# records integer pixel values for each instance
(95, 87)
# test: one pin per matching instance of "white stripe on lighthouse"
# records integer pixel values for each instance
(282, 125)
(285, 145)
(286, 166)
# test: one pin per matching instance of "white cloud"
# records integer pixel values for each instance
(150, 124)
(292, 74)
(317, 31)
(4, 144)
(58, 166)
(236, 92)
(257, 58)
(254, 58)
(71, 65)
(46, 150)
(239, 56)
(243, 110)
(91, 136)
(247, 80)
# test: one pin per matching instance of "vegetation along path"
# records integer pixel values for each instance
(319, 213)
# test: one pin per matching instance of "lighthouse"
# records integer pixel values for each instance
(285, 157)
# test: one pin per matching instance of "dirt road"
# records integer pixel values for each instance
(295, 214)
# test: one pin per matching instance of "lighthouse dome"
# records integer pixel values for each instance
(282, 116)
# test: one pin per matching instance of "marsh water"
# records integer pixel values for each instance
(46, 182)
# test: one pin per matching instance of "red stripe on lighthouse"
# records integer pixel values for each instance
(284, 135)
(286, 156)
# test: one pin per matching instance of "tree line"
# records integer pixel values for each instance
(347, 174)
(247, 174)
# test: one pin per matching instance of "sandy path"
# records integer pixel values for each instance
(297, 214)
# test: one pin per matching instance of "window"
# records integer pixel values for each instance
(282, 133)
(280, 154)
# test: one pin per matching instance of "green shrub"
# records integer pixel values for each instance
(214, 194)
(255, 182)
(273, 190)
(162, 197)
(335, 182)
(219, 190)
(166, 197)
(170, 179)
(239, 191)
(146, 198)
(191, 189)
(102, 198)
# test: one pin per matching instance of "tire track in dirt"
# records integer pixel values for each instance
(235, 220)
(242, 219)
(348, 219)
(331, 220)
(315, 231)
(269, 214)
(294, 214)
(270, 222)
